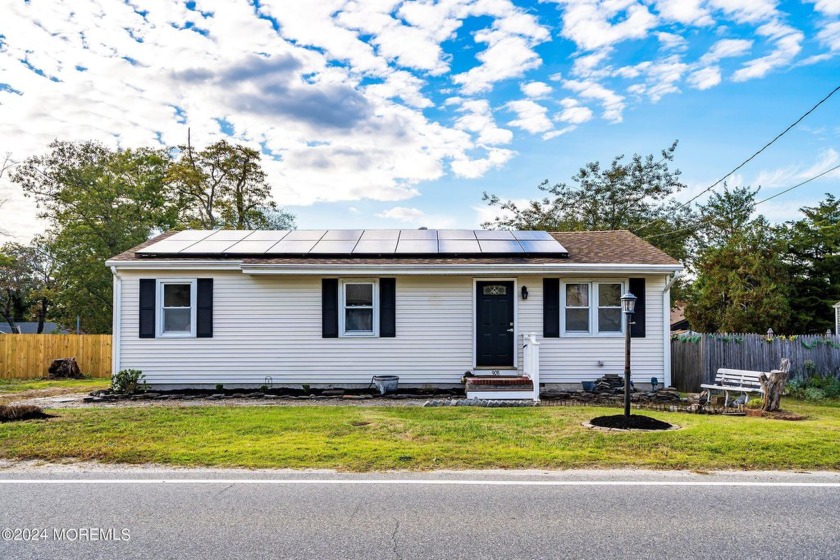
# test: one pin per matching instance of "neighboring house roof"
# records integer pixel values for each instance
(585, 247)
(31, 327)
(678, 320)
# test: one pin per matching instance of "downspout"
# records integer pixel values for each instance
(115, 328)
(666, 328)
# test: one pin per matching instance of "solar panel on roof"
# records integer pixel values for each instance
(464, 246)
(333, 247)
(542, 246)
(208, 247)
(168, 245)
(342, 235)
(532, 235)
(380, 234)
(191, 234)
(493, 234)
(292, 247)
(305, 235)
(500, 246)
(250, 247)
(230, 235)
(456, 234)
(268, 235)
(356, 242)
(418, 234)
(378, 246)
(417, 246)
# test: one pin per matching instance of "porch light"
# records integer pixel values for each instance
(628, 303)
(524, 292)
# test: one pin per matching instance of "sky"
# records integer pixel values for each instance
(381, 113)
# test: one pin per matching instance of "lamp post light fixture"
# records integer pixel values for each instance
(628, 305)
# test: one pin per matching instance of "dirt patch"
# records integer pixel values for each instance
(22, 412)
(783, 415)
(637, 422)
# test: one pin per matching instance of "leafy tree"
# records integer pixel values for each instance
(99, 203)
(814, 266)
(636, 195)
(741, 283)
(28, 280)
(222, 186)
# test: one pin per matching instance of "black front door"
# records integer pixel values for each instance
(494, 324)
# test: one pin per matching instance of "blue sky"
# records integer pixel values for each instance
(400, 114)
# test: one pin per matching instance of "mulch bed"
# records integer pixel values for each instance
(637, 422)
(22, 412)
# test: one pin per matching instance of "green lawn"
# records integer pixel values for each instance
(375, 438)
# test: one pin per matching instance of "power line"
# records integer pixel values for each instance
(787, 190)
(764, 147)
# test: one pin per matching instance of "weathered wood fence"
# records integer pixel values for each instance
(25, 356)
(695, 358)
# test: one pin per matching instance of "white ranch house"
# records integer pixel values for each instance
(335, 307)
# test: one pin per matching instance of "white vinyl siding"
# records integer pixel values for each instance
(571, 359)
(270, 326)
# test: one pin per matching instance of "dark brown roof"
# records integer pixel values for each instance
(584, 247)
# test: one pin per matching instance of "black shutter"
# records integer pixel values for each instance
(551, 308)
(637, 288)
(147, 307)
(329, 308)
(387, 307)
(204, 311)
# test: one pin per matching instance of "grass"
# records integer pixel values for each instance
(16, 389)
(377, 438)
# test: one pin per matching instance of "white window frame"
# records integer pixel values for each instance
(161, 333)
(342, 308)
(594, 286)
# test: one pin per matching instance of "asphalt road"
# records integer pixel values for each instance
(234, 514)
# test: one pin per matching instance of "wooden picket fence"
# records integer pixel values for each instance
(695, 358)
(24, 356)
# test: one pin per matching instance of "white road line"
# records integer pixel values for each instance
(415, 482)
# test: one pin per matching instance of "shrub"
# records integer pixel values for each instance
(220, 387)
(814, 394)
(127, 381)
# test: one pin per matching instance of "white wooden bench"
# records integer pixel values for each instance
(735, 381)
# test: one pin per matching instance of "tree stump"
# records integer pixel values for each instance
(774, 385)
(65, 368)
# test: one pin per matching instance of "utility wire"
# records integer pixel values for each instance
(787, 190)
(749, 159)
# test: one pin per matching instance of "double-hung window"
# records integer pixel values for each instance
(358, 313)
(592, 308)
(177, 304)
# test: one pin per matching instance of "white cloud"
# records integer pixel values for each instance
(594, 24)
(530, 116)
(611, 102)
(690, 12)
(317, 97)
(474, 168)
(792, 174)
(403, 214)
(830, 36)
(506, 56)
(787, 44)
(746, 11)
(727, 48)
(672, 41)
(536, 90)
(827, 7)
(573, 112)
(478, 118)
(704, 78)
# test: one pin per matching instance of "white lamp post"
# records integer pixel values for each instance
(628, 305)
